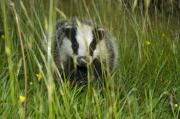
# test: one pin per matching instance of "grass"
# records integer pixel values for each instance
(146, 79)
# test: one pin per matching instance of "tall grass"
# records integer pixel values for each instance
(145, 84)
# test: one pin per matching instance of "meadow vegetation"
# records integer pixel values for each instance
(145, 84)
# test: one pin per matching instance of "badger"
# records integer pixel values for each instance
(81, 45)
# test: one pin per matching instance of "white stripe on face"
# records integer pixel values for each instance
(84, 37)
(66, 49)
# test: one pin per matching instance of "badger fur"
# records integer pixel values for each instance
(80, 44)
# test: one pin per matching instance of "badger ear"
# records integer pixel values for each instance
(67, 31)
(99, 33)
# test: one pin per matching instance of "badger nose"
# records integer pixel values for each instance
(82, 60)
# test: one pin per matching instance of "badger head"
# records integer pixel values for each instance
(82, 42)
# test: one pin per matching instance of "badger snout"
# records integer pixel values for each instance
(83, 61)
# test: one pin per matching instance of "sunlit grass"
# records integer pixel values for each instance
(145, 84)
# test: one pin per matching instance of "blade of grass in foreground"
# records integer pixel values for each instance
(23, 58)
(50, 85)
(8, 49)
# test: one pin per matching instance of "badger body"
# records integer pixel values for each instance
(80, 46)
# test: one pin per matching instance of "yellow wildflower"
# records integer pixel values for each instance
(22, 98)
(147, 42)
(39, 76)
(175, 105)
(31, 83)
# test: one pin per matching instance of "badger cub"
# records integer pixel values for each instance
(80, 46)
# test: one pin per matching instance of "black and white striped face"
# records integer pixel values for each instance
(81, 42)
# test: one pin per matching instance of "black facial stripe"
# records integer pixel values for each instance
(74, 42)
(97, 36)
(92, 46)
(71, 34)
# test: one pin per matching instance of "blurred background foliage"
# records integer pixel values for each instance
(154, 6)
